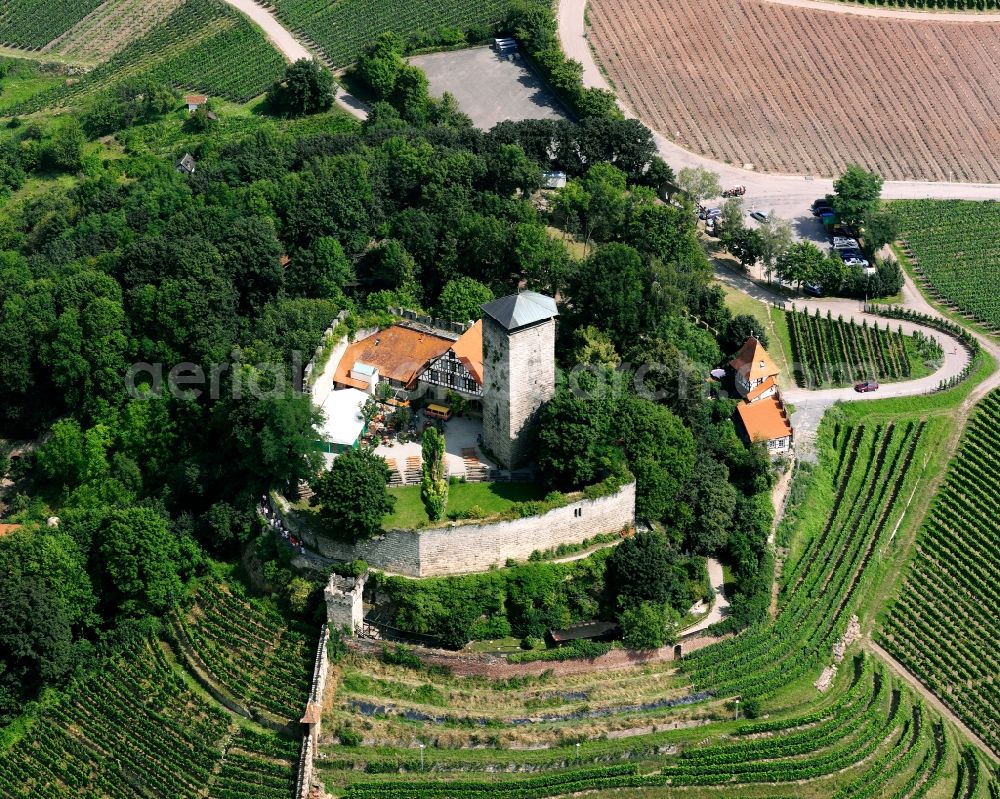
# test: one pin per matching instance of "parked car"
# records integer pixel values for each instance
(844, 243)
(822, 210)
(821, 202)
(852, 258)
(813, 289)
(866, 385)
(760, 216)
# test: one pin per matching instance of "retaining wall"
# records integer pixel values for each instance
(494, 667)
(462, 548)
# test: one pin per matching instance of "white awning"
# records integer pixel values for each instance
(342, 421)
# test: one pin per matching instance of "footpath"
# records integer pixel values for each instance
(292, 49)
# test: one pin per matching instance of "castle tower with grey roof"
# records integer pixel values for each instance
(519, 372)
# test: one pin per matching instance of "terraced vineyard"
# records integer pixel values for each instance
(218, 632)
(136, 728)
(953, 247)
(868, 728)
(342, 29)
(864, 481)
(204, 45)
(142, 726)
(945, 624)
(31, 24)
(651, 731)
(832, 352)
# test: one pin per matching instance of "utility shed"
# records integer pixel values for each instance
(585, 631)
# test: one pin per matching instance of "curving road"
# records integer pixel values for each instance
(811, 405)
(788, 195)
(292, 49)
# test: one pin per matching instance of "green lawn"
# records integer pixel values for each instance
(772, 322)
(491, 497)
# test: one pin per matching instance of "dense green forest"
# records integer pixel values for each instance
(110, 257)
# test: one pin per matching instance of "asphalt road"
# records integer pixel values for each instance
(810, 405)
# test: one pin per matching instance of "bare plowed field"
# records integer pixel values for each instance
(800, 90)
(111, 27)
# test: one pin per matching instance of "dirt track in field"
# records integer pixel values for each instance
(803, 90)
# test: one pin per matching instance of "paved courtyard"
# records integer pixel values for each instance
(459, 433)
(489, 88)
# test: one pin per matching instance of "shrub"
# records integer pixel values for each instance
(645, 626)
(751, 707)
(348, 737)
(401, 656)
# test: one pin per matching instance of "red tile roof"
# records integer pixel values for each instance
(196, 99)
(765, 420)
(469, 350)
(399, 353)
(756, 392)
(752, 361)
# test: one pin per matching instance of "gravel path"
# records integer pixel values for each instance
(788, 195)
(292, 49)
(931, 698)
(287, 44)
(720, 605)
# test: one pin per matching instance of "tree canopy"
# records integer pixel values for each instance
(352, 495)
(461, 299)
(856, 195)
(307, 88)
(644, 568)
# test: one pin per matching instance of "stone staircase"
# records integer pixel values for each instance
(395, 477)
(413, 473)
(475, 470)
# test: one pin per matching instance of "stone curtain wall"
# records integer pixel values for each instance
(477, 547)
(472, 547)
(310, 740)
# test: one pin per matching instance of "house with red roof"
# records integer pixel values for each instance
(762, 416)
(756, 375)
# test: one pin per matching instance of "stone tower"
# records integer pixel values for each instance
(519, 372)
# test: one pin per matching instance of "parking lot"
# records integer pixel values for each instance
(488, 87)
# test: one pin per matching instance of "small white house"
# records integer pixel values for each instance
(766, 421)
(187, 164)
(195, 101)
